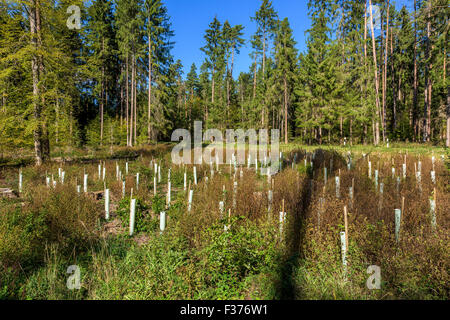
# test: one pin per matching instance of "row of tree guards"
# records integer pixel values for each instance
(379, 187)
(282, 215)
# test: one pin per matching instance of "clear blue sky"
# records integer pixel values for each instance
(190, 19)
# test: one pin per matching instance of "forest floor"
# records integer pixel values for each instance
(240, 249)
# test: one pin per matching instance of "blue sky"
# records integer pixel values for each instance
(190, 19)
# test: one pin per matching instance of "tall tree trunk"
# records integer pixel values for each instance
(415, 84)
(149, 130)
(34, 29)
(377, 124)
(263, 120)
(427, 95)
(365, 34)
(45, 125)
(385, 73)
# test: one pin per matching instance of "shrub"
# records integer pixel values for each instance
(143, 221)
(229, 257)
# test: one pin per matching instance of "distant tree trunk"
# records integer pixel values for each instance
(262, 116)
(121, 98)
(127, 82)
(377, 124)
(374, 135)
(254, 79)
(56, 120)
(229, 78)
(448, 117)
(427, 92)
(71, 126)
(232, 63)
(213, 93)
(101, 106)
(105, 107)
(351, 131)
(132, 102)
(264, 55)
(394, 89)
(285, 111)
(364, 138)
(190, 108)
(445, 60)
(320, 135)
(228, 98)
(430, 88)
(135, 104)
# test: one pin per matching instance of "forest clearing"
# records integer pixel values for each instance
(218, 232)
(349, 200)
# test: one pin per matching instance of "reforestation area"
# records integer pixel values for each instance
(94, 207)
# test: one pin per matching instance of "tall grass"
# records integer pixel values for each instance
(47, 230)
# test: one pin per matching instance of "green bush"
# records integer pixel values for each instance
(143, 221)
(231, 256)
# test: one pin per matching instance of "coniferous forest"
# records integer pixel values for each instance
(351, 204)
(115, 81)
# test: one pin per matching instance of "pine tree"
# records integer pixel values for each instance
(318, 73)
(193, 87)
(214, 51)
(101, 62)
(159, 32)
(286, 67)
(265, 19)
